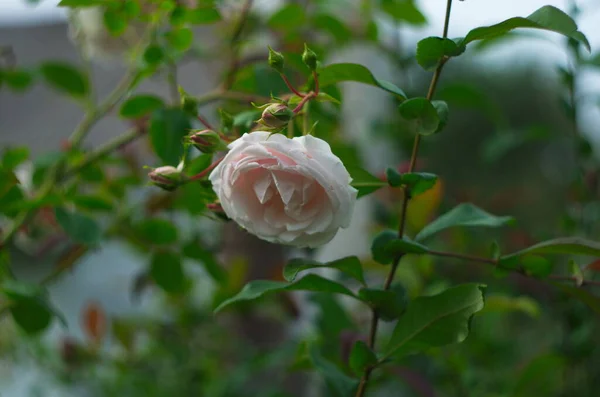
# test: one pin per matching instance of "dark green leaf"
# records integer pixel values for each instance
(431, 50)
(581, 294)
(546, 18)
(168, 127)
(363, 181)
(419, 182)
(65, 78)
(340, 72)
(443, 112)
(157, 231)
(115, 21)
(361, 358)
(31, 314)
(12, 157)
(180, 39)
(140, 105)
(332, 25)
(403, 11)
(421, 115)
(563, 245)
(79, 227)
(93, 202)
(393, 177)
(350, 266)
(390, 304)
(541, 377)
(339, 384)
(154, 55)
(195, 251)
(465, 214)
(167, 272)
(16, 79)
(378, 251)
(288, 18)
(311, 282)
(438, 320)
(203, 15)
(537, 266)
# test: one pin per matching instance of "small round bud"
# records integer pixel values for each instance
(309, 58)
(207, 141)
(166, 177)
(276, 60)
(276, 115)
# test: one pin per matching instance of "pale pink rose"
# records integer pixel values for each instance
(287, 191)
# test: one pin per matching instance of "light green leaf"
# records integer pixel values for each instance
(339, 384)
(340, 72)
(363, 181)
(115, 21)
(180, 39)
(546, 18)
(203, 16)
(438, 320)
(65, 78)
(350, 266)
(361, 358)
(431, 50)
(421, 115)
(79, 227)
(140, 105)
(311, 282)
(465, 214)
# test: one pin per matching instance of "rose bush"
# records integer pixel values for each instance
(288, 191)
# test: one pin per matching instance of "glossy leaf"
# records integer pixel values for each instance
(546, 18)
(168, 127)
(431, 50)
(364, 181)
(463, 215)
(421, 116)
(350, 266)
(340, 72)
(361, 358)
(438, 320)
(81, 228)
(166, 270)
(338, 383)
(65, 78)
(311, 282)
(140, 105)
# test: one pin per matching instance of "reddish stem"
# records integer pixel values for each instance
(206, 123)
(291, 87)
(316, 78)
(206, 171)
(307, 98)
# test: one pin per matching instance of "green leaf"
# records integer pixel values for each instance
(140, 105)
(288, 18)
(17, 80)
(115, 21)
(403, 11)
(438, 320)
(543, 376)
(546, 18)
(349, 265)
(180, 39)
(421, 115)
(536, 266)
(332, 25)
(65, 78)
(443, 112)
(504, 304)
(563, 245)
(203, 16)
(80, 3)
(390, 304)
(387, 246)
(166, 270)
(363, 181)
(168, 127)
(195, 251)
(361, 358)
(338, 383)
(580, 294)
(157, 231)
(340, 72)
(419, 182)
(153, 55)
(13, 157)
(393, 177)
(79, 227)
(431, 50)
(465, 214)
(93, 202)
(310, 282)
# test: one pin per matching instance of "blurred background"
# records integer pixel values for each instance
(522, 140)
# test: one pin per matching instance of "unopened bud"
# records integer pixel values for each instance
(207, 141)
(188, 103)
(309, 58)
(276, 60)
(276, 115)
(167, 177)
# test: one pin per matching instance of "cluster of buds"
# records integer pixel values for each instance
(167, 177)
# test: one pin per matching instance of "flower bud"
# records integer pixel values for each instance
(166, 177)
(309, 58)
(188, 103)
(207, 141)
(276, 60)
(276, 115)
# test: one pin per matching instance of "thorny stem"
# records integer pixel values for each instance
(362, 387)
